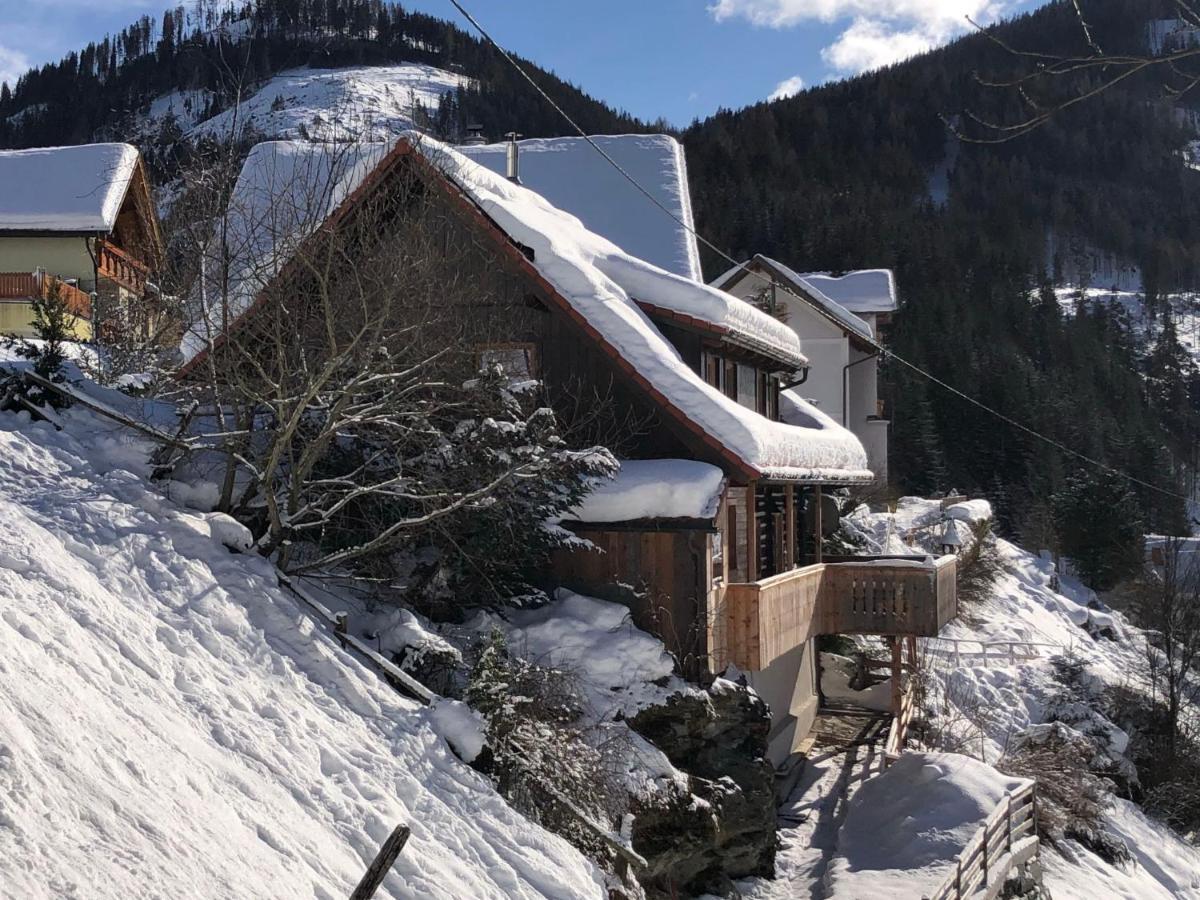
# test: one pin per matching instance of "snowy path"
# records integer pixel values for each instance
(810, 819)
(172, 725)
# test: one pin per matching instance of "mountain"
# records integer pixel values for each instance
(197, 62)
(866, 172)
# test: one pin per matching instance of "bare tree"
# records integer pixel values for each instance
(1168, 606)
(1048, 84)
(349, 419)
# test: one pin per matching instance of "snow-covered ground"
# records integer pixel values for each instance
(987, 706)
(361, 102)
(172, 724)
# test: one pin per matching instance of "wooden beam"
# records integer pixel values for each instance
(789, 501)
(752, 531)
(378, 869)
(818, 526)
(897, 669)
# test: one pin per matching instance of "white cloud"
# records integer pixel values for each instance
(789, 87)
(13, 64)
(868, 44)
(880, 31)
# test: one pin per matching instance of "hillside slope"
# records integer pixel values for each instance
(173, 725)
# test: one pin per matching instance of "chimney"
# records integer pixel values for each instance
(513, 172)
(474, 135)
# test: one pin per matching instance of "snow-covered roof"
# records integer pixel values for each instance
(286, 189)
(805, 288)
(65, 188)
(654, 489)
(602, 285)
(862, 291)
(569, 173)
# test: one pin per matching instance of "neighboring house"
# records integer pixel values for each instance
(838, 319)
(82, 219)
(712, 531)
(569, 173)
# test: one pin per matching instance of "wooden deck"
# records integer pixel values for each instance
(757, 622)
(27, 286)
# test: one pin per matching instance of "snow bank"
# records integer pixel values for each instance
(654, 489)
(905, 828)
(570, 174)
(64, 188)
(616, 662)
(172, 724)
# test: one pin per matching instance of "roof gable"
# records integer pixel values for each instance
(67, 189)
(590, 280)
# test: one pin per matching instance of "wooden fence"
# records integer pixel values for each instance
(30, 285)
(1001, 652)
(1007, 839)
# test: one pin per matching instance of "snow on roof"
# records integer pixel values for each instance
(64, 188)
(654, 489)
(286, 189)
(601, 282)
(862, 291)
(569, 173)
(831, 307)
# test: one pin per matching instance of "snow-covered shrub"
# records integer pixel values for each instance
(1070, 797)
(536, 750)
(53, 323)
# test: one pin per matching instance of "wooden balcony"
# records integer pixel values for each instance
(116, 265)
(759, 621)
(26, 286)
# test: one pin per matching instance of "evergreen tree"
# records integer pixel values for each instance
(1099, 528)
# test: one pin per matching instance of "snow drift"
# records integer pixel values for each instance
(172, 724)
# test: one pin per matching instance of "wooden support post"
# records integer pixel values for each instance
(818, 526)
(789, 511)
(985, 859)
(897, 668)
(383, 862)
(341, 627)
(752, 531)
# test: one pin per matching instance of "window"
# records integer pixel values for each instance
(729, 386)
(714, 369)
(747, 386)
(517, 360)
(773, 399)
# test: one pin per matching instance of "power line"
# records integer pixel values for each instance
(879, 348)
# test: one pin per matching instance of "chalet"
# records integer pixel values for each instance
(712, 532)
(80, 220)
(839, 319)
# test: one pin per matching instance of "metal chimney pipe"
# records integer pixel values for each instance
(512, 155)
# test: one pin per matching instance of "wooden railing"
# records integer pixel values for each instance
(999, 652)
(31, 285)
(759, 621)
(117, 265)
(1007, 839)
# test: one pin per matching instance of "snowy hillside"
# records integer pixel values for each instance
(998, 702)
(173, 725)
(371, 102)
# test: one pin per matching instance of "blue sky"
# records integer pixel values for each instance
(679, 59)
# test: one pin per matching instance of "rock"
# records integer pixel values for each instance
(725, 827)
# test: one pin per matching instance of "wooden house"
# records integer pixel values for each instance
(80, 220)
(712, 532)
(839, 319)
